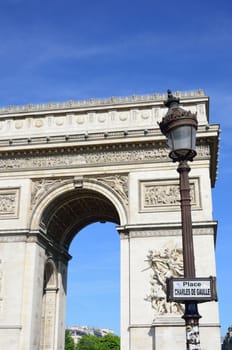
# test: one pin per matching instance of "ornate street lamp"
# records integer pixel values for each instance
(180, 126)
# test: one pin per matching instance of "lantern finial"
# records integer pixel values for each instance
(172, 101)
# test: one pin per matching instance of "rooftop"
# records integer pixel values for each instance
(155, 97)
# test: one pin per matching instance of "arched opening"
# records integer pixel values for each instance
(93, 294)
(73, 210)
(66, 218)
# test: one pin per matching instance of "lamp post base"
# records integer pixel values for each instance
(191, 317)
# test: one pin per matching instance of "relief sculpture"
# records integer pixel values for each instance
(118, 183)
(40, 187)
(40, 161)
(163, 195)
(9, 203)
(164, 264)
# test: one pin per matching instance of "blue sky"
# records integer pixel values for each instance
(58, 50)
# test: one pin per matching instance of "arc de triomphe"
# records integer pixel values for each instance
(66, 165)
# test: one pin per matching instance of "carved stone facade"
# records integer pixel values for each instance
(66, 165)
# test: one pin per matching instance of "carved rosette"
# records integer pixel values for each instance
(166, 263)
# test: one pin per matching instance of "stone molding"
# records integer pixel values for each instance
(156, 97)
(37, 237)
(26, 236)
(167, 320)
(133, 232)
(86, 120)
(10, 327)
(18, 236)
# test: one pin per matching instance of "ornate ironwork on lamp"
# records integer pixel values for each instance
(180, 127)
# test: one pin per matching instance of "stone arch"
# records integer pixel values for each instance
(63, 209)
(66, 209)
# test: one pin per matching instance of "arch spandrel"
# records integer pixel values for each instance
(66, 209)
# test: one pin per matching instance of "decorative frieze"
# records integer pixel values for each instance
(81, 122)
(127, 233)
(165, 263)
(9, 203)
(81, 157)
(152, 233)
(165, 195)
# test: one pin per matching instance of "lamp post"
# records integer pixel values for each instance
(180, 126)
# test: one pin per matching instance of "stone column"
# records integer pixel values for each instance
(21, 291)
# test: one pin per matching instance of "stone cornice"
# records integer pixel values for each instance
(94, 103)
(11, 326)
(115, 124)
(164, 230)
(110, 120)
(85, 139)
(12, 236)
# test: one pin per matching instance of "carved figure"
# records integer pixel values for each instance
(7, 203)
(164, 264)
(165, 195)
(118, 183)
(40, 187)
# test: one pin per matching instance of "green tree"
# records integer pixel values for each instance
(69, 342)
(88, 342)
(110, 342)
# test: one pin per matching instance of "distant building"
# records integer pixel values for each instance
(227, 342)
(77, 332)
